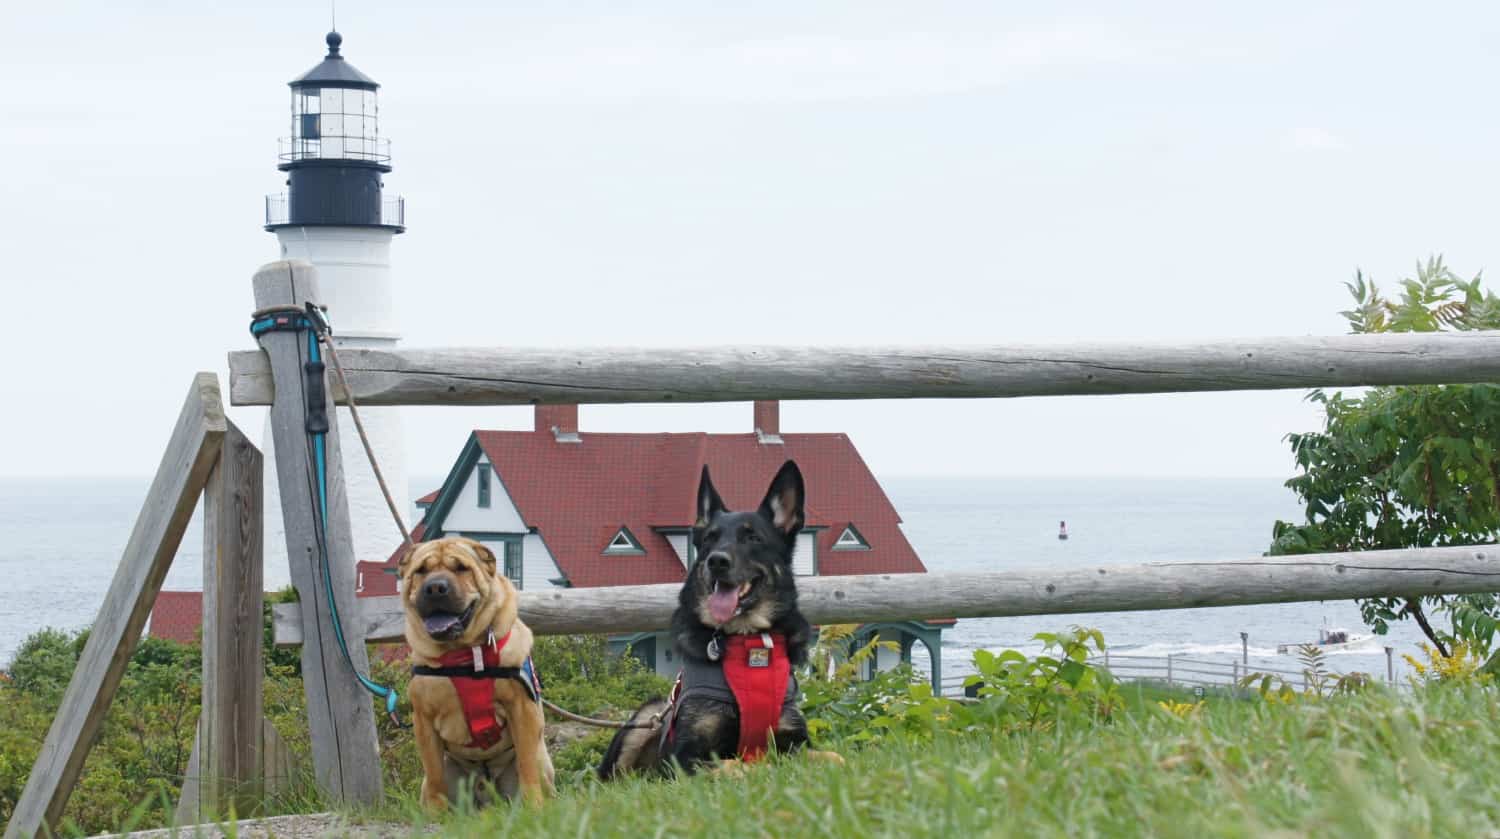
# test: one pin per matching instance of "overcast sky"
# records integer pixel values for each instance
(707, 173)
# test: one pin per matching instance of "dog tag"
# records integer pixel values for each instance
(478, 653)
(759, 657)
(715, 650)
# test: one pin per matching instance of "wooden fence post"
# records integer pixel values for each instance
(148, 554)
(339, 714)
(227, 768)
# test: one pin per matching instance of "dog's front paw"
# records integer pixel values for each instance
(535, 795)
(826, 757)
(433, 800)
(728, 768)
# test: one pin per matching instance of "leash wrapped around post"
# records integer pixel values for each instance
(311, 320)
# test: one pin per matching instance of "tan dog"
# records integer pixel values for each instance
(474, 710)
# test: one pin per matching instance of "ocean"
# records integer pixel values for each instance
(61, 539)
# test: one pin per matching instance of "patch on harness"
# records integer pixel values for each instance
(759, 658)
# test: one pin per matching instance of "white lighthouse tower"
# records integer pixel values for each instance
(335, 215)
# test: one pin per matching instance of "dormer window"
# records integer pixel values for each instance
(850, 540)
(624, 543)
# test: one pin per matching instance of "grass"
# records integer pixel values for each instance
(1368, 766)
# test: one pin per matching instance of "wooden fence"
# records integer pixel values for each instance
(236, 754)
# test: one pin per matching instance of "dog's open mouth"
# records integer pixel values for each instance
(445, 626)
(724, 602)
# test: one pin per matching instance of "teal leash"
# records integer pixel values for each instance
(316, 327)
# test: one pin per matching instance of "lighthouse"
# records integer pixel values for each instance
(336, 215)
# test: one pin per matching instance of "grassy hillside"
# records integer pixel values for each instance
(1369, 765)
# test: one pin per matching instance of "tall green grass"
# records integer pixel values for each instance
(1371, 765)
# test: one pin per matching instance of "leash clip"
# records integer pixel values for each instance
(318, 321)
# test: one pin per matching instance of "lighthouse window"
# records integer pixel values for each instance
(309, 127)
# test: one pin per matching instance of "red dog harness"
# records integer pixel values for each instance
(753, 674)
(473, 673)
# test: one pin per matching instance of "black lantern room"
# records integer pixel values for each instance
(335, 158)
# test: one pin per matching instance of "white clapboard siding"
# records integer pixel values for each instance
(803, 559)
(467, 516)
(538, 567)
(679, 543)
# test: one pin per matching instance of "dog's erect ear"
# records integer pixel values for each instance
(709, 502)
(783, 503)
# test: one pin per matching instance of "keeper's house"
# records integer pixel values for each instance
(561, 507)
(564, 508)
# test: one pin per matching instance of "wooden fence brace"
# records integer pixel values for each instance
(169, 505)
(339, 714)
(228, 767)
(493, 376)
(872, 598)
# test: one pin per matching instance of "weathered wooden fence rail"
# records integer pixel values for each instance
(1104, 588)
(489, 376)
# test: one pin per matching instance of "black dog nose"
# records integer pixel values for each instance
(436, 588)
(718, 563)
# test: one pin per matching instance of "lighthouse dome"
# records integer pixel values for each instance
(334, 70)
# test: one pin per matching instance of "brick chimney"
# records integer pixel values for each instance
(768, 421)
(561, 420)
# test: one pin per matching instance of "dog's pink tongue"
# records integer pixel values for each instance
(440, 623)
(723, 602)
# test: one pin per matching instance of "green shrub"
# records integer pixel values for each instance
(135, 768)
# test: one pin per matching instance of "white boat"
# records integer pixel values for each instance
(1329, 640)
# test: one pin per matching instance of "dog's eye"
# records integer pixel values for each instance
(712, 535)
(462, 569)
(749, 535)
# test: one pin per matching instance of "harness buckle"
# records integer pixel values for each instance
(478, 653)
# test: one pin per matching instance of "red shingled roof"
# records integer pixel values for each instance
(578, 495)
(379, 578)
(176, 616)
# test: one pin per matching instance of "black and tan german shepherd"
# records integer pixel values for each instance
(739, 590)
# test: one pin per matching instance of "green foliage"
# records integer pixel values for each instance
(1318, 682)
(1014, 693)
(136, 766)
(579, 673)
(1404, 467)
(837, 701)
(1032, 692)
(134, 773)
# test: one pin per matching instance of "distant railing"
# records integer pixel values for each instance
(392, 210)
(1181, 671)
(368, 149)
